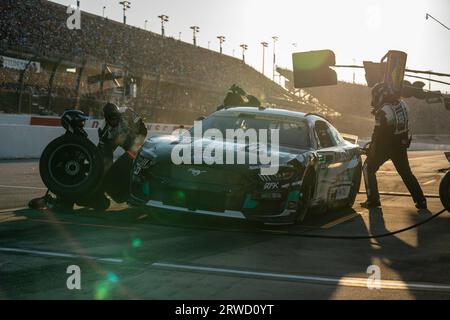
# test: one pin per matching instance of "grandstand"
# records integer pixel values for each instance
(176, 81)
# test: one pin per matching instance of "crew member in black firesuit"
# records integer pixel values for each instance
(236, 96)
(123, 128)
(390, 140)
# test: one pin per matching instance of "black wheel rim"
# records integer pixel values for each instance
(70, 165)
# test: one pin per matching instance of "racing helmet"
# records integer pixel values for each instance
(381, 94)
(73, 119)
(111, 112)
(238, 90)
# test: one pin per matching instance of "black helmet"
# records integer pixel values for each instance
(73, 119)
(238, 90)
(234, 99)
(380, 95)
(253, 101)
(111, 112)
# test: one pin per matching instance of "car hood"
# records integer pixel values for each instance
(160, 150)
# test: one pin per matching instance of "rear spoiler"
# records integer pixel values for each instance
(350, 138)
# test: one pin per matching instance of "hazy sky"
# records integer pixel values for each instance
(353, 29)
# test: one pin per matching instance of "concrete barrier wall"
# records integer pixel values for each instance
(20, 140)
(23, 141)
(15, 119)
(28, 142)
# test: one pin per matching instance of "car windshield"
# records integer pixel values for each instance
(292, 133)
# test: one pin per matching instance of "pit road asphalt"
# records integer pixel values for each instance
(135, 254)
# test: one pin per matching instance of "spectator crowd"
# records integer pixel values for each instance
(182, 76)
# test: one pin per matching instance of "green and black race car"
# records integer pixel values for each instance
(317, 169)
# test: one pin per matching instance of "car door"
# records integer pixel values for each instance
(334, 177)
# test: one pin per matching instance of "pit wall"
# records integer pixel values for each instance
(26, 136)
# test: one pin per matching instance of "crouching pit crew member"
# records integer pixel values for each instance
(123, 128)
(390, 141)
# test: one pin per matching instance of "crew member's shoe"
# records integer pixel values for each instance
(61, 205)
(370, 204)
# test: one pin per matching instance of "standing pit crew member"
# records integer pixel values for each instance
(390, 141)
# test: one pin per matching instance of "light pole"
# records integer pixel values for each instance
(221, 41)
(275, 39)
(164, 19)
(209, 44)
(126, 5)
(244, 48)
(430, 16)
(195, 29)
(78, 4)
(264, 46)
(354, 63)
(104, 8)
(179, 35)
(145, 24)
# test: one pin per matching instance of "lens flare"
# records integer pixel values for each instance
(136, 243)
(102, 291)
(104, 288)
(112, 277)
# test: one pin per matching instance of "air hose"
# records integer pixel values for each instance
(317, 236)
(377, 236)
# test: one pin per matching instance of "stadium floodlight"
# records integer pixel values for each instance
(275, 39)
(195, 30)
(221, 41)
(264, 46)
(244, 48)
(164, 19)
(430, 16)
(125, 6)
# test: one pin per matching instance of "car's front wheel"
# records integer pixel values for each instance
(356, 182)
(304, 206)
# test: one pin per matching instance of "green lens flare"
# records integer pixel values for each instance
(112, 277)
(102, 291)
(180, 195)
(136, 243)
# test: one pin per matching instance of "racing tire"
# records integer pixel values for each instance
(305, 201)
(71, 167)
(444, 191)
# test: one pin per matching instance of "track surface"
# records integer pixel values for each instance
(129, 253)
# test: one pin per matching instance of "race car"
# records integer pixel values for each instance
(317, 170)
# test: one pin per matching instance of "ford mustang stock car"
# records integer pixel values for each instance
(318, 171)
